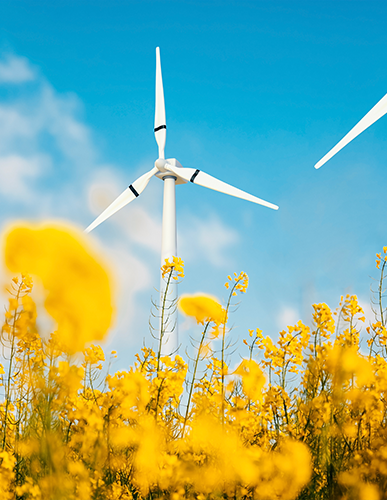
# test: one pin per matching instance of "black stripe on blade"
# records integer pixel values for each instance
(194, 175)
(133, 191)
(159, 128)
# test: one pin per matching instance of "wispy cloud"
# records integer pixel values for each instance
(17, 174)
(14, 69)
(132, 276)
(207, 239)
(28, 121)
(288, 316)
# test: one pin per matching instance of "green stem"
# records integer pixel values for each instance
(162, 329)
(223, 345)
(381, 293)
(194, 377)
(8, 395)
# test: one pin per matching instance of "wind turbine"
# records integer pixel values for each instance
(371, 117)
(172, 173)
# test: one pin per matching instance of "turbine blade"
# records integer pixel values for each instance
(160, 122)
(130, 194)
(199, 177)
(374, 114)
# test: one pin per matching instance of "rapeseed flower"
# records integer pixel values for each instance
(253, 378)
(176, 267)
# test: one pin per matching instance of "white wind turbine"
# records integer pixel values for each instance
(371, 117)
(172, 173)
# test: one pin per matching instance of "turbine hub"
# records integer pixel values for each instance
(160, 164)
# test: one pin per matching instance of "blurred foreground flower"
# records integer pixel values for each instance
(77, 285)
(203, 308)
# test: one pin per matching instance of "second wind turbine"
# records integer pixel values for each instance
(172, 173)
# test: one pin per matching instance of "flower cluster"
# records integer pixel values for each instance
(237, 282)
(380, 258)
(175, 268)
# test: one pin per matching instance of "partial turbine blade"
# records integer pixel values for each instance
(130, 194)
(205, 180)
(160, 122)
(376, 112)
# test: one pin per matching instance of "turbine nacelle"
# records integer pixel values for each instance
(165, 166)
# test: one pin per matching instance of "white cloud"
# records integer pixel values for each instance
(15, 127)
(16, 174)
(15, 70)
(207, 239)
(27, 122)
(131, 277)
(288, 316)
(142, 227)
(58, 115)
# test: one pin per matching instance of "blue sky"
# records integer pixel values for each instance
(256, 93)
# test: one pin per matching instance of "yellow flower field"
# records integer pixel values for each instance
(300, 418)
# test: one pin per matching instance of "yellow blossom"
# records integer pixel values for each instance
(203, 308)
(253, 378)
(176, 266)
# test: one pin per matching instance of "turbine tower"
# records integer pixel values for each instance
(172, 173)
(371, 117)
